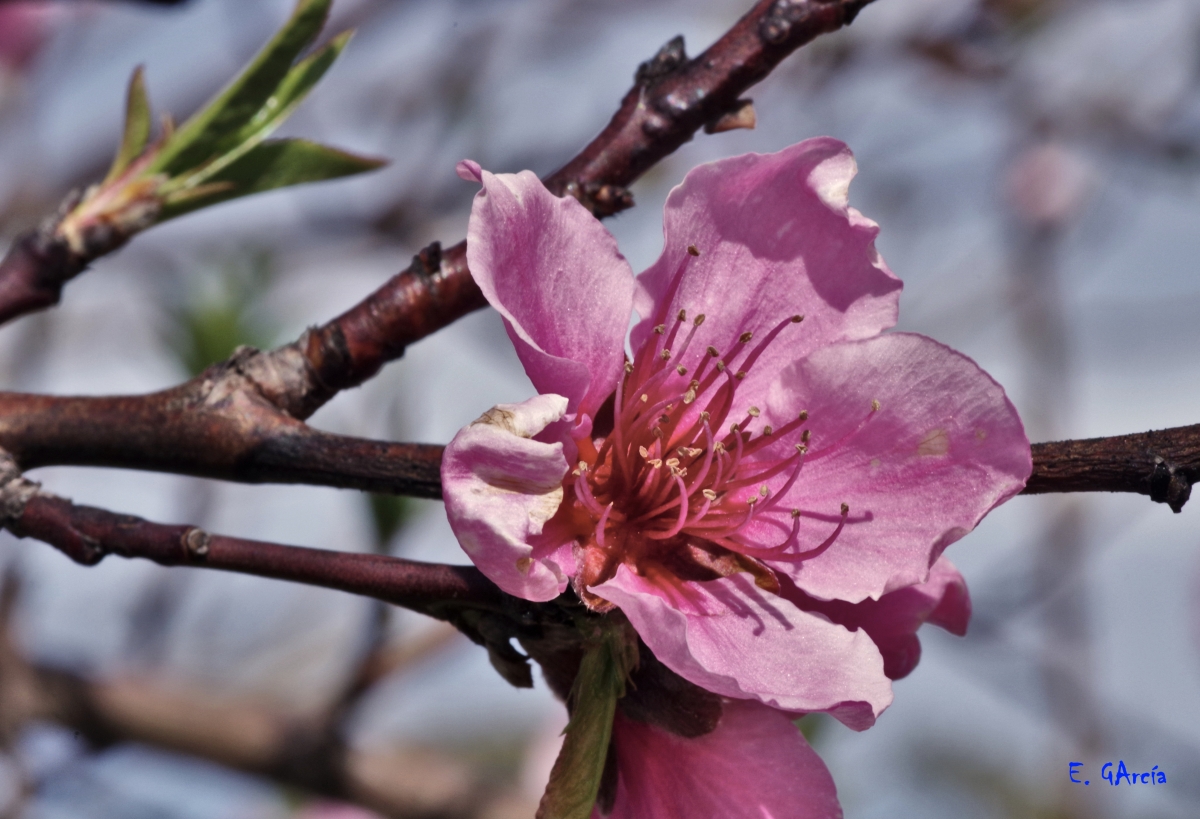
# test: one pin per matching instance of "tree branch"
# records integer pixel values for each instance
(1162, 464)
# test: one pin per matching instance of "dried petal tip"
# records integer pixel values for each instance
(693, 251)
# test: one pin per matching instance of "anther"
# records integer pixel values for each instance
(666, 355)
(693, 251)
(874, 405)
(708, 493)
(692, 452)
(753, 499)
(803, 415)
(662, 419)
(704, 416)
(628, 367)
(797, 319)
(746, 336)
(734, 428)
(718, 447)
(753, 412)
(682, 370)
(644, 398)
(845, 508)
(768, 429)
(801, 448)
(804, 436)
(698, 320)
(763, 490)
(713, 351)
(645, 453)
(795, 513)
(689, 396)
(655, 463)
(660, 329)
(739, 375)
(672, 462)
(682, 315)
(720, 366)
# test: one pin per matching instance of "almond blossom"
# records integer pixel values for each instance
(765, 482)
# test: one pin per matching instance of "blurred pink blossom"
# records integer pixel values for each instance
(767, 470)
(23, 28)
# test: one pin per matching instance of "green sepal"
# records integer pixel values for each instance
(577, 773)
(208, 132)
(275, 163)
(137, 125)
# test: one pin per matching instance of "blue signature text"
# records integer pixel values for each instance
(1119, 775)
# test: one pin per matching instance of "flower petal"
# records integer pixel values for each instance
(501, 487)
(893, 620)
(945, 447)
(734, 639)
(554, 273)
(776, 238)
(755, 764)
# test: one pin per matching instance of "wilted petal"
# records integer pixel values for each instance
(944, 448)
(501, 488)
(776, 238)
(755, 765)
(554, 273)
(734, 639)
(892, 620)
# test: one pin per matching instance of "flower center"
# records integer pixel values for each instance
(672, 490)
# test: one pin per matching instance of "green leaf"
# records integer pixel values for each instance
(576, 775)
(275, 163)
(207, 133)
(137, 125)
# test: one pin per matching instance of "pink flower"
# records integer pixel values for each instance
(755, 764)
(763, 488)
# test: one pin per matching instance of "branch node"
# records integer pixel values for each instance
(779, 23)
(429, 261)
(741, 116)
(196, 541)
(15, 490)
(1169, 485)
(669, 59)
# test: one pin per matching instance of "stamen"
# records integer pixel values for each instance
(683, 510)
(713, 351)
(693, 251)
(698, 320)
(601, 524)
(754, 412)
(682, 316)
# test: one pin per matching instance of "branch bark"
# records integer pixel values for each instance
(1161, 463)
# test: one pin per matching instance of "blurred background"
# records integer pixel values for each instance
(1035, 168)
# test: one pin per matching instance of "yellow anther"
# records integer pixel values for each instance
(666, 355)
(739, 375)
(718, 447)
(753, 499)
(655, 463)
(628, 367)
(801, 448)
(645, 453)
(874, 405)
(734, 428)
(768, 429)
(704, 416)
(644, 398)
(708, 493)
(660, 329)
(754, 412)
(689, 396)
(720, 366)
(672, 462)
(763, 490)
(693, 452)
(698, 320)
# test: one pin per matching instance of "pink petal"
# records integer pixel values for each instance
(501, 487)
(555, 275)
(776, 239)
(893, 620)
(734, 639)
(945, 447)
(755, 764)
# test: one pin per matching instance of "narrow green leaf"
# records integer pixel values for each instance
(272, 164)
(207, 133)
(137, 125)
(576, 775)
